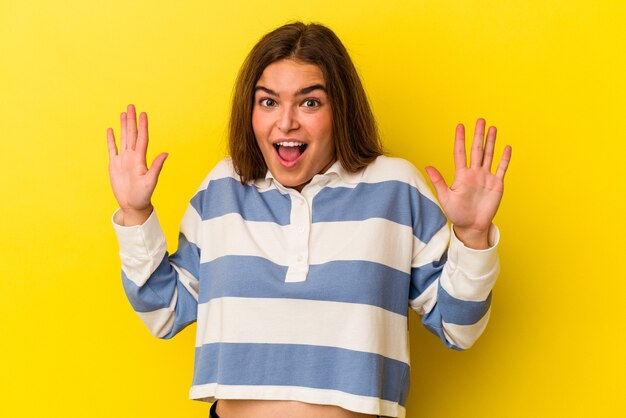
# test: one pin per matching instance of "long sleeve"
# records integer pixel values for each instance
(451, 288)
(450, 284)
(162, 289)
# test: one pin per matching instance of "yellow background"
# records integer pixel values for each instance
(550, 74)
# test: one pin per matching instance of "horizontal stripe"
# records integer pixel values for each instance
(161, 321)
(339, 281)
(425, 302)
(169, 321)
(353, 372)
(437, 307)
(187, 256)
(228, 195)
(464, 336)
(426, 253)
(423, 277)
(156, 293)
(392, 200)
(456, 336)
(461, 312)
(190, 226)
(232, 235)
(375, 240)
(295, 321)
(163, 297)
(432, 321)
(210, 392)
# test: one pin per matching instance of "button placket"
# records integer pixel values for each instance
(298, 239)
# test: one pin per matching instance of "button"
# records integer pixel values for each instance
(300, 258)
(301, 230)
(301, 202)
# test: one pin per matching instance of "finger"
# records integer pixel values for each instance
(438, 182)
(131, 127)
(476, 155)
(123, 131)
(142, 135)
(111, 144)
(489, 147)
(155, 168)
(460, 160)
(504, 162)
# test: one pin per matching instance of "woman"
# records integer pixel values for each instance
(299, 254)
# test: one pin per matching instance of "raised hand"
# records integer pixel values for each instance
(471, 202)
(131, 180)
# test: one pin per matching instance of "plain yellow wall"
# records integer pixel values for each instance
(550, 74)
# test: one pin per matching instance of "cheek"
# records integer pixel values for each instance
(261, 126)
(328, 120)
(327, 127)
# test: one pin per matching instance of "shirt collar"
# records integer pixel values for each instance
(335, 170)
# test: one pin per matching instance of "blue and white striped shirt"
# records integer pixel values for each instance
(304, 295)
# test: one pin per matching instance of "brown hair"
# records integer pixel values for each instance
(355, 134)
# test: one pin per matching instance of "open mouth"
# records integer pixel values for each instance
(290, 151)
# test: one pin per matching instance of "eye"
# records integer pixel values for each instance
(311, 103)
(267, 102)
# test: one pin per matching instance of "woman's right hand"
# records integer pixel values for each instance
(131, 180)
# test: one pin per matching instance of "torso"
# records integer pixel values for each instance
(295, 286)
(229, 408)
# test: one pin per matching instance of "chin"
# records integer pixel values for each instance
(293, 184)
(290, 181)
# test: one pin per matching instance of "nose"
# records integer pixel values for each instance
(287, 119)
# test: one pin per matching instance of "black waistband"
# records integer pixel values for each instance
(213, 412)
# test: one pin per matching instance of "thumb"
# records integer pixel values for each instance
(438, 182)
(157, 165)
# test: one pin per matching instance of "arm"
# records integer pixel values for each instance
(452, 289)
(163, 290)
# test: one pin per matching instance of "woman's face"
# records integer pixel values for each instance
(292, 122)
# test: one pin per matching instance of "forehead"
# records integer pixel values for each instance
(290, 76)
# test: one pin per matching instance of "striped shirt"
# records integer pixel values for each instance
(305, 295)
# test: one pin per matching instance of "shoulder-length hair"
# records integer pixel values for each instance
(355, 135)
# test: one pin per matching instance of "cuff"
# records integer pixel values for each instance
(140, 241)
(471, 273)
(474, 261)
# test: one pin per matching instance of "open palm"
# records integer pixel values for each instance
(473, 198)
(133, 183)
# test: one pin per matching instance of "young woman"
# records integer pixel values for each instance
(299, 254)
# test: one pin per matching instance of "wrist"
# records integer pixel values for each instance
(472, 238)
(133, 217)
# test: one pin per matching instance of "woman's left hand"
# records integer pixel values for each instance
(471, 202)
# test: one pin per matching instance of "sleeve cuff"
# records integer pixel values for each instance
(475, 262)
(470, 273)
(140, 241)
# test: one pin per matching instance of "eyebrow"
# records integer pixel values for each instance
(303, 91)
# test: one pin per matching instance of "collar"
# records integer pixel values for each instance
(334, 171)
